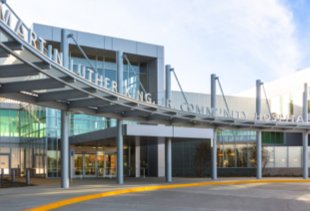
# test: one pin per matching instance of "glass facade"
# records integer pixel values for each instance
(36, 137)
(236, 148)
(133, 76)
(9, 123)
(236, 155)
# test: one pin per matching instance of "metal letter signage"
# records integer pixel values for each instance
(15, 24)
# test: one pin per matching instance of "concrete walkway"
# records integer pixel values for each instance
(232, 189)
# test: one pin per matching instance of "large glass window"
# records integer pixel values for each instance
(295, 156)
(272, 138)
(81, 123)
(280, 156)
(133, 75)
(270, 153)
(9, 123)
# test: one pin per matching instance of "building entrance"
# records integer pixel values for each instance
(85, 165)
(94, 164)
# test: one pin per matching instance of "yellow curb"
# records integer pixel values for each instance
(62, 203)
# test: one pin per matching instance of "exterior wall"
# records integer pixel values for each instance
(191, 157)
(96, 41)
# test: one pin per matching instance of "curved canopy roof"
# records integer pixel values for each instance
(28, 75)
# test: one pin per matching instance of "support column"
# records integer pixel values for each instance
(65, 149)
(64, 45)
(138, 157)
(214, 141)
(258, 133)
(161, 156)
(168, 156)
(258, 154)
(214, 155)
(258, 99)
(305, 134)
(213, 94)
(120, 144)
(305, 155)
(120, 160)
(168, 85)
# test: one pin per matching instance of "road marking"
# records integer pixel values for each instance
(79, 199)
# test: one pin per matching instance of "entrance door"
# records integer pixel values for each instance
(90, 165)
(109, 165)
(85, 165)
(78, 165)
(5, 163)
(39, 164)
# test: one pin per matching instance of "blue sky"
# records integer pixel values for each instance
(301, 17)
(239, 40)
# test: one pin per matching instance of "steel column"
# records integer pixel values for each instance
(64, 45)
(213, 94)
(258, 99)
(65, 149)
(120, 144)
(120, 161)
(168, 157)
(305, 155)
(120, 70)
(214, 140)
(258, 133)
(137, 157)
(214, 155)
(305, 134)
(168, 85)
(258, 154)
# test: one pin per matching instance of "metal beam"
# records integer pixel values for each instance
(136, 113)
(13, 45)
(31, 85)
(18, 70)
(213, 94)
(88, 102)
(113, 109)
(168, 85)
(88, 111)
(258, 99)
(61, 95)
(64, 45)
(33, 100)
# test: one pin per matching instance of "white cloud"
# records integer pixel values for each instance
(239, 40)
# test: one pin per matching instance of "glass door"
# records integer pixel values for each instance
(5, 163)
(100, 164)
(85, 165)
(90, 164)
(109, 165)
(78, 165)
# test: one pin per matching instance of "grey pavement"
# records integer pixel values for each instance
(265, 197)
(48, 190)
(294, 196)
